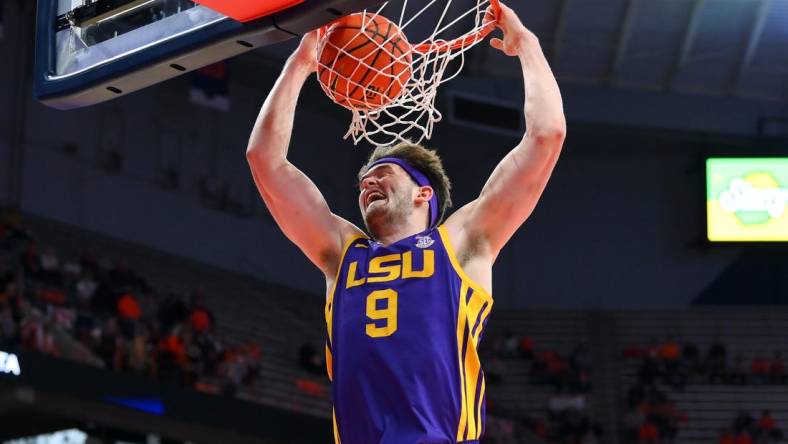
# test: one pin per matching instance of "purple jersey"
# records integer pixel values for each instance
(404, 323)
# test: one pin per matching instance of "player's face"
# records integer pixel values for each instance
(386, 195)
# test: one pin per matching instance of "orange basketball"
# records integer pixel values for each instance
(364, 61)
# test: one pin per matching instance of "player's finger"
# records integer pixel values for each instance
(497, 43)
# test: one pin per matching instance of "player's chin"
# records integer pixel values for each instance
(374, 213)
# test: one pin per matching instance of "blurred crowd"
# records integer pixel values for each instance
(745, 429)
(652, 417)
(97, 310)
(677, 365)
(566, 418)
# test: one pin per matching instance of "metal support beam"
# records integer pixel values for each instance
(686, 46)
(560, 30)
(624, 37)
(756, 32)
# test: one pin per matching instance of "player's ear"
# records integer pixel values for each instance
(425, 194)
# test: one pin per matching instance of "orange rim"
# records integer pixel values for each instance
(466, 40)
(443, 45)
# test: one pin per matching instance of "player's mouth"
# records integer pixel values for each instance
(374, 196)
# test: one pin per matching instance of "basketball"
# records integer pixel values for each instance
(364, 61)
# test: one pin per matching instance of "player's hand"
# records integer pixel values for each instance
(306, 54)
(515, 34)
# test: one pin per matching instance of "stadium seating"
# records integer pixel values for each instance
(711, 408)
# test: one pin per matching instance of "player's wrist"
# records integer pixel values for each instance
(301, 65)
(527, 41)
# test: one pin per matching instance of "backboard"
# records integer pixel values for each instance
(90, 51)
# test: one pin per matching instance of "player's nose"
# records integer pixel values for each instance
(367, 182)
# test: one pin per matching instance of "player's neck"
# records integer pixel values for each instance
(390, 233)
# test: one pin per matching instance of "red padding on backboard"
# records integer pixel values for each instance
(246, 10)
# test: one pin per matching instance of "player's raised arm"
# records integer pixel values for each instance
(296, 204)
(513, 189)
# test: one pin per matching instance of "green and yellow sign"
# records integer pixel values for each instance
(747, 199)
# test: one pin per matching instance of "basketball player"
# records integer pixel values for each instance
(407, 303)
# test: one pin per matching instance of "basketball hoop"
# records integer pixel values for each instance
(367, 65)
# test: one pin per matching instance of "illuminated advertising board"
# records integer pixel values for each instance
(747, 199)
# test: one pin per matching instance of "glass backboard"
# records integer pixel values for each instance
(90, 51)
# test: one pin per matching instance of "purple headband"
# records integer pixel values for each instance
(418, 177)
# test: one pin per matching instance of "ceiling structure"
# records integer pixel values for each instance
(735, 48)
(728, 48)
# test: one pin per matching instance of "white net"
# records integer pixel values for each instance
(391, 87)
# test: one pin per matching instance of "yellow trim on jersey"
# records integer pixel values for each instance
(479, 408)
(456, 265)
(336, 429)
(461, 327)
(329, 312)
(472, 368)
(329, 363)
(472, 313)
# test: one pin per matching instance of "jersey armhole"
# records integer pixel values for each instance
(345, 249)
(455, 263)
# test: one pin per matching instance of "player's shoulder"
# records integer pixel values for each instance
(346, 233)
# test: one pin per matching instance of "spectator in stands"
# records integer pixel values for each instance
(650, 368)
(5, 243)
(120, 276)
(508, 348)
(648, 433)
(310, 387)
(743, 437)
(72, 270)
(525, 347)
(9, 335)
(766, 422)
(172, 311)
(149, 307)
(139, 356)
(777, 369)
(192, 365)
(8, 289)
(171, 358)
(670, 356)
(631, 422)
(727, 437)
(128, 311)
(236, 368)
(690, 355)
(716, 361)
(499, 431)
(30, 261)
(200, 319)
(85, 289)
(633, 351)
(557, 371)
(49, 266)
(87, 259)
(739, 371)
(767, 430)
(743, 422)
(493, 371)
(36, 336)
(760, 370)
(110, 346)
